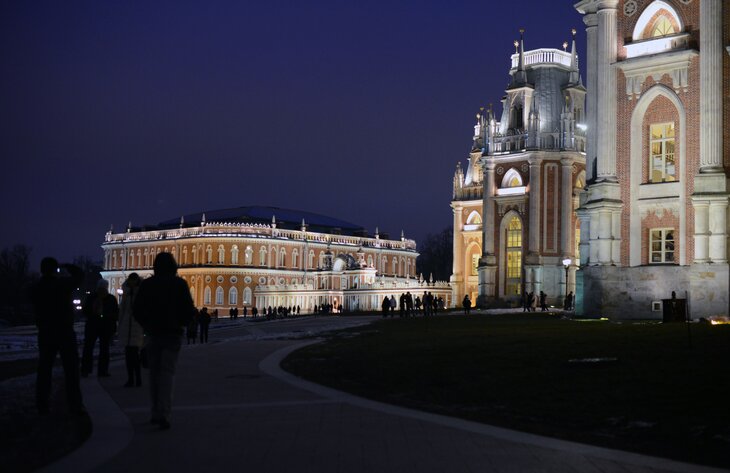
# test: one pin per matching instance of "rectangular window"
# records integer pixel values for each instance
(662, 162)
(661, 245)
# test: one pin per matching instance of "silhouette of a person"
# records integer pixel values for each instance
(102, 312)
(52, 304)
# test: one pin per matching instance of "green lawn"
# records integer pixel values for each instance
(659, 397)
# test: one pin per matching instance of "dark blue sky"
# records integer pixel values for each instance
(143, 111)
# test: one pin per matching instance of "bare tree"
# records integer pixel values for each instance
(436, 255)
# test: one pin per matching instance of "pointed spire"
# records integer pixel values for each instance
(304, 226)
(111, 228)
(520, 75)
(574, 71)
(273, 221)
(202, 221)
(129, 226)
(377, 232)
(182, 221)
(402, 235)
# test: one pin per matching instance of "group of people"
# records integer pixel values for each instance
(409, 307)
(530, 302)
(199, 320)
(150, 319)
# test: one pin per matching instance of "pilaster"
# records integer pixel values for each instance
(534, 209)
(711, 51)
(605, 87)
(591, 22)
(566, 214)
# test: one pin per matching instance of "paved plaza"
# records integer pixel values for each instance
(236, 410)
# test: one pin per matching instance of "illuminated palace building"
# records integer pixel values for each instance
(264, 256)
(654, 215)
(514, 207)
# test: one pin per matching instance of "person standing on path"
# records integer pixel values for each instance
(543, 302)
(204, 321)
(467, 304)
(131, 334)
(102, 312)
(392, 305)
(54, 317)
(163, 307)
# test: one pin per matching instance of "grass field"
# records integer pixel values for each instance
(651, 393)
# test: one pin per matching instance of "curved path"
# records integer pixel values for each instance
(235, 410)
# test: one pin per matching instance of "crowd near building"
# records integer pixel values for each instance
(271, 257)
(637, 177)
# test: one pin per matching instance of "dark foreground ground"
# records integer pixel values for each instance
(639, 387)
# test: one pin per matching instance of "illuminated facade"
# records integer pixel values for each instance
(243, 257)
(514, 207)
(654, 213)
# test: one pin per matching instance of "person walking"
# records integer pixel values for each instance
(385, 306)
(102, 312)
(163, 307)
(131, 334)
(393, 304)
(467, 304)
(543, 302)
(54, 317)
(204, 321)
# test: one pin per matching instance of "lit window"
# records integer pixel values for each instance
(233, 296)
(513, 286)
(662, 27)
(219, 296)
(206, 296)
(662, 162)
(661, 243)
(474, 265)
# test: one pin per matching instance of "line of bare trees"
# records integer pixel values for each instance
(17, 277)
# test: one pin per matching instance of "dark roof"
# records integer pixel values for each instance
(285, 218)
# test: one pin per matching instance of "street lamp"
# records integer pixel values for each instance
(566, 265)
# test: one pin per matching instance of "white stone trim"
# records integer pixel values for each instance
(649, 12)
(556, 207)
(675, 63)
(637, 159)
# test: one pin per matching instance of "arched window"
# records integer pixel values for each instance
(185, 255)
(195, 255)
(233, 296)
(662, 27)
(513, 239)
(662, 162)
(219, 296)
(131, 258)
(262, 256)
(146, 258)
(580, 181)
(248, 256)
(234, 254)
(282, 258)
(370, 261)
(310, 263)
(221, 255)
(192, 294)
(516, 117)
(274, 257)
(294, 258)
(209, 255)
(114, 259)
(383, 264)
(474, 218)
(206, 296)
(139, 258)
(657, 20)
(512, 178)
(247, 295)
(395, 265)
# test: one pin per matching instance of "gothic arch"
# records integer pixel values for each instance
(470, 251)
(502, 264)
(474, 218)
(637, 141)
(512, 178)
(648, 17)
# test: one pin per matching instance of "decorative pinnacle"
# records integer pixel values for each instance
(565, 45)
(522, 33)
(517, 46)
(573, 31)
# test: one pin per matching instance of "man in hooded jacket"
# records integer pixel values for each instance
(163, 308)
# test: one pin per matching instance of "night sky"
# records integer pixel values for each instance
(144, 111)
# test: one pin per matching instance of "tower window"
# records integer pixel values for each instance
(661, 243)
(513, 286)
(662, 162)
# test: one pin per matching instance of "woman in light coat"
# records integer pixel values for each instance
(131, 334)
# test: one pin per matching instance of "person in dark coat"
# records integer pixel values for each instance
(385, 306)
(54, 317)
(467, 304)
(131, 335)
(204, 321)
(163, 307)
(192, 329)
(102, 312)
(543, 302)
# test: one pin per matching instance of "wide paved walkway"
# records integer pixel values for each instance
(235, 410)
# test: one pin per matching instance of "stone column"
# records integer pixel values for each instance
(457, 268)
(718, 230)
(535, 196)
(566, 206)
(711, 51)
(605, 87)
(591, 22)
(488, 220)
